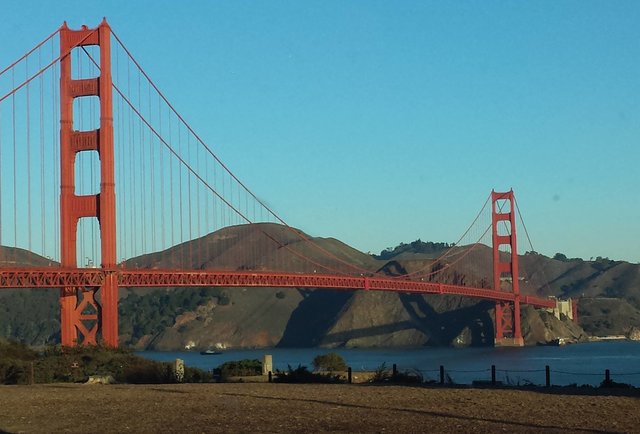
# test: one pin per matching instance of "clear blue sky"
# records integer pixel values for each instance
(384, 121)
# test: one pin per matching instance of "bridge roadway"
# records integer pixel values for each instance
(94, 277)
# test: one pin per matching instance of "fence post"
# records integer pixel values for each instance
(349, 374)
(270, 376)
(394, 371)
(547, 376)
(441, 375)
(493, 375)
(607, 376)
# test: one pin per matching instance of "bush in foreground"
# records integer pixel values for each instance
(239, 368)
(331, 362)
(384, 375)
(21, 365)
(302, 375)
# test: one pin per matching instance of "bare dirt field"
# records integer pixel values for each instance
(289, 408)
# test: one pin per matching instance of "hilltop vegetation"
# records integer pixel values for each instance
(417, 246)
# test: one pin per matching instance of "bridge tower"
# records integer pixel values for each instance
(505, 269)
(88, 314)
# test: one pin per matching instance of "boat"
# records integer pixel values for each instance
(210, 352)
(558, 342)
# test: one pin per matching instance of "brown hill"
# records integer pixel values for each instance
(264, 246)
(257, 317)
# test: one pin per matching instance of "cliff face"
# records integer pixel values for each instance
(253, 318)
(349, 319)
(541, 327)
(390, 319)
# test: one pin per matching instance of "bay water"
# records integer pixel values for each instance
(571, 364)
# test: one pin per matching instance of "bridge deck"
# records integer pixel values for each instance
(94, 277)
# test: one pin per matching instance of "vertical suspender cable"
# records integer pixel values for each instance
(28, 166)
(131, 171)
(189, 195)
(122, 239)
(180, 202)
(163, 227)
(209, 226)
(189, 192)
(141, 170)
(153, 212)
(225, 223)
(199, 208)
(15, 196)
(214, 209)
(42, 192)
(56, 153)
(171, 202)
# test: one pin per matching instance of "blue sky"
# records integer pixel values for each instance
(377, 122)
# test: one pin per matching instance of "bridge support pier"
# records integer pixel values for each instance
(507, 319)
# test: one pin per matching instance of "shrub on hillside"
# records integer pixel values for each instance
(15, 350)
(331, 362)
(384, 375)
(13, 372)
(239, 368)
(302, 375)
(15, 362)
(65, 364)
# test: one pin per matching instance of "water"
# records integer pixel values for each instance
(571, 364)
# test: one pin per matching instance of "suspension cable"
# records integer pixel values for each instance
(232, 175)
(240, 183)
(28, 53)
(450, 249)
(544, 277)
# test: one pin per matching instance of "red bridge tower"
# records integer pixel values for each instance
(88, 314)
(505, 269)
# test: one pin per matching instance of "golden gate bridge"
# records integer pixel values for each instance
(104, 185)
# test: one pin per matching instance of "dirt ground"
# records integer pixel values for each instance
(290, 408)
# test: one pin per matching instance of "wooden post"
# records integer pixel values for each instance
(349, 377)
(547, 375)
(441, 375)
(493, 375)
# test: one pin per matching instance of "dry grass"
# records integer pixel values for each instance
(291, 408)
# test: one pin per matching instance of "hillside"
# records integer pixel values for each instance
(29, 315)
(258, 317)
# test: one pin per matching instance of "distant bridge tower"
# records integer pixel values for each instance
(84, 317)
(505, 269)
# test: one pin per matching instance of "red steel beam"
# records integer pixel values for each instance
(95, 277)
